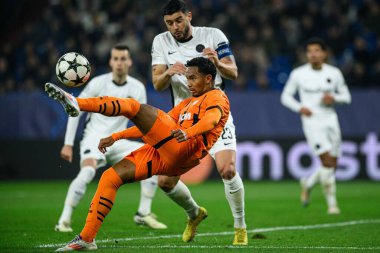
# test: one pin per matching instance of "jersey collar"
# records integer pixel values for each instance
(119, 84)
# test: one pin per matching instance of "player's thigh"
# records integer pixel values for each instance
(335, 136)
(226, 141)
(147, 162)
(224, 151)
(160, 133)
(89, 151)
(317, 138)
(126, 170)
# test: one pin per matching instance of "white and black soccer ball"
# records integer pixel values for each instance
(73, 69)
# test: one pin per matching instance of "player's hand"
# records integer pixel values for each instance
(328, 99)
(211, 54)
(177, 68)
(180, 135)
(67, 153)
(305, 111)
(104, 143)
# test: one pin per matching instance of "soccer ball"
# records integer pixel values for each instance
(73, 69)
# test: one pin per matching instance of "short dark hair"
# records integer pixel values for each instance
(205, 66)
(316, 41)
(174, 6)
(121, 46)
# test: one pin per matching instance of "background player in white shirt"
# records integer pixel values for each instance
(320, 87)
(117, 83)
(170, 51)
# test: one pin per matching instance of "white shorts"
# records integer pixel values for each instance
(227, 140)
(114, 154)
(323, 134)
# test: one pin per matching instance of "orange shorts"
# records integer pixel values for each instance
(163, 155)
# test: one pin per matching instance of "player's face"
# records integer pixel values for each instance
(198, 83)
(315, 54)
(178, 24)
(120, 62)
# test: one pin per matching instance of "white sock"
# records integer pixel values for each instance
(313, 179)
(234, 190)
(182, 196)
(329, 186)
(76, 191)
(148, 190)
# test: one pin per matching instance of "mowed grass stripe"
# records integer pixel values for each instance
(237, 247)
(259, 230)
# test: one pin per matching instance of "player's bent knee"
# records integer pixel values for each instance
(329, 163)
(166, 183)
(227, 171)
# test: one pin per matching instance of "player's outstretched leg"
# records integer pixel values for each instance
(144, 215)
(101, 205)
(67, 100)
(143, 116)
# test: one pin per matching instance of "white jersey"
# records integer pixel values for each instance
(167, 51)
(311, 85)
(97, 124)
(321, 129)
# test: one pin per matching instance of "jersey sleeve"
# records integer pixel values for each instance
(219, 101)
(90, 90)
(287, 95)
(216, 106)
(71, 129)
(342, 94)
(132, 132)
(158, 57)
(142, 98)
(221, 44)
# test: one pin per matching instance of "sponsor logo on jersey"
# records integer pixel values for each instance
(186, 116)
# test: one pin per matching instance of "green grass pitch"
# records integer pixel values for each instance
(275, 219)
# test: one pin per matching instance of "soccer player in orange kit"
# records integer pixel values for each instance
(175, 141)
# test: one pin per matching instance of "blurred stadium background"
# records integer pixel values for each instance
(267, 40)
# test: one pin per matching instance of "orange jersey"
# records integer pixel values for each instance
(191, 110)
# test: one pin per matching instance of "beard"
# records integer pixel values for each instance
(185, 34)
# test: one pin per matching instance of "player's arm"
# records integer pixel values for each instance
(208, 122)
(221, 55)
(132, 132)
(72, 125)
(342, 94)
(288, 99)
(71, 129)
(161, 74)
(226, 66)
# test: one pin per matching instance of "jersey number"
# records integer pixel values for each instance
(227, 134)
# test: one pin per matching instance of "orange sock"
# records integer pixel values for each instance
(101, 204)
(110, 106)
